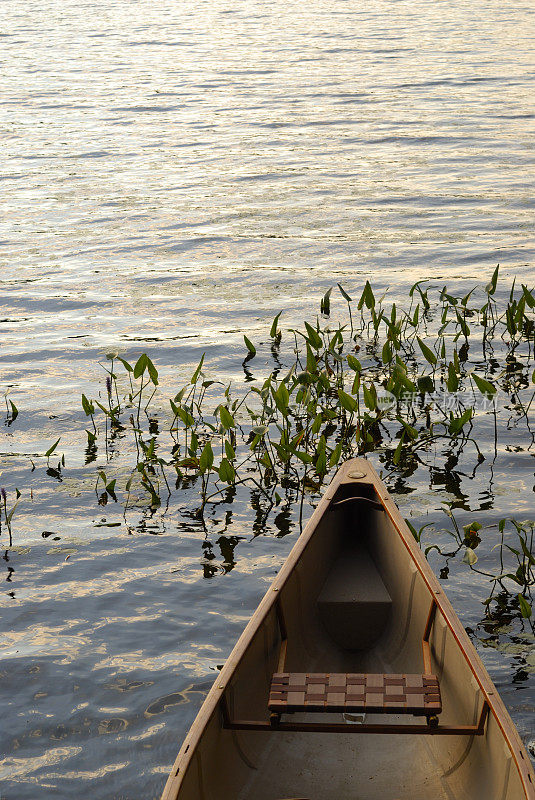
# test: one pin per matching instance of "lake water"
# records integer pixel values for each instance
(173, 175)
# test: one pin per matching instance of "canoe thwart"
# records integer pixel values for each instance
(333, 727)
(363, 693)
(360, 499)
(431, 728)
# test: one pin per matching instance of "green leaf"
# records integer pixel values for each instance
(306, 458)
(257, 439)
(321, 463)
(316, 425)
(367, 297)
(226, 471)
(153, 372)
(87, 406)
(183, 414)
(335, 455)
(149, 453)
(282, 399)
(344, 294)
(490, 288)
(397, 452)
(250, 346)
(194, 444)
(305, 378)
(195, 376)
(266, 461)
(369, 397)
(326, 302)
(179, 395)
(312, 364)
(313, 337)
(140, 365)
(472, 526)
(470, 556)
(386, 354)
(429, 354)
(445, 296)
(452, 381)
(104, 409)
(426, 384)
(514, 578)
(227, 420)
(10, 515)
(416, 286)
(259, 430)
(411, 432)
(399, 374)
(207, 459)
(527, 552)
(128, 367)
(274, 326)
(336, 344)
(354, 363)
(346, 401)
(51, 449)
(525, 608)
(457, 423)
(528, 296)
(229, 450)
(484, 386)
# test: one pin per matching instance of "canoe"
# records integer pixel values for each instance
(354, 679)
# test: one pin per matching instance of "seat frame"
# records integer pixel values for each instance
(432, 727)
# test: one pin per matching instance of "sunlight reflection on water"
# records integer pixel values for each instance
(173, 176)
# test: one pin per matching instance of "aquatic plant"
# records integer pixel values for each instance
(515, 568)
(12, 410)
(6, 514)
(419, 386)
(411, 385)
(381, 382)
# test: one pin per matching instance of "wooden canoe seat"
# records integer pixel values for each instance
(372, 693)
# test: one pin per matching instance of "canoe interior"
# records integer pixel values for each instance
(354, 601)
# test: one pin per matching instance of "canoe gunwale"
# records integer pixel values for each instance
(355, 471)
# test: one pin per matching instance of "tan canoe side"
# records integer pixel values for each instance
(213, 698)
(489, 692)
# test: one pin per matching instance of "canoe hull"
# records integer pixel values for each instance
(384, 610)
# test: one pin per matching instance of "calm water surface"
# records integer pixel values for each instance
(172, 175)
